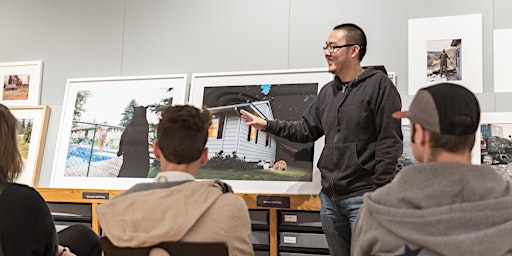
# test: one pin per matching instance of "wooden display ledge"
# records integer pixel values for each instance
(303, 202)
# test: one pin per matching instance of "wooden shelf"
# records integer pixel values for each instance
(297, 202)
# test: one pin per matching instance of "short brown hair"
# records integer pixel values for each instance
(453, 143)
(182, 133)
(11, 163)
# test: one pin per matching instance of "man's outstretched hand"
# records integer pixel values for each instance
(252, 120)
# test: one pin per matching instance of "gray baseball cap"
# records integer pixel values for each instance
(437, 108)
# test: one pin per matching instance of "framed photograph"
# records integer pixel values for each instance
(493, 145)
(22, 83)
(446, 49)
(254, 161)
(107, 129)
(31, 139)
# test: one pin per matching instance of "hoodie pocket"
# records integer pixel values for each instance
(341, 169)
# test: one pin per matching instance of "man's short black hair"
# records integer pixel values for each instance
(355, 35)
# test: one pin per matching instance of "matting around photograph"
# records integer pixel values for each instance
(502, 59)
(254, 161)
(446, 49)
(22, 83)
(107, 129)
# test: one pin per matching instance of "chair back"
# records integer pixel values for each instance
(1, 248)
(172, 248)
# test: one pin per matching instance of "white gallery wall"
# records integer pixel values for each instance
(97, 38)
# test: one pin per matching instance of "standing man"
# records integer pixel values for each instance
(362, 140)
(445, 205)
(444, 63)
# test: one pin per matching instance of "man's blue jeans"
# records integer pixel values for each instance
(338, 220)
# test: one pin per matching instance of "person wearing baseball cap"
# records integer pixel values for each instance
(444, 205)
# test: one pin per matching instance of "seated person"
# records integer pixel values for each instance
(444, 205)
(79, 240)
(26, 224)
(176, 207)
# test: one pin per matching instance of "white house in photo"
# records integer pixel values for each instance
(229, 133)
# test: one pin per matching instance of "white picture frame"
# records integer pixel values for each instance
(21, 83)
(464, 32)
(502, 56)
(31, 140)
(224, 89)
(104, 117)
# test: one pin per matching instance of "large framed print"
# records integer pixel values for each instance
(33, 122)
(107, 129)
(253, 161)
(446, 49)
(493, 145)
(22, 83)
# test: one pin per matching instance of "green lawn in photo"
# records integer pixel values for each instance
(291, 174)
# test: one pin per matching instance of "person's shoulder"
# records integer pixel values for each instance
(25, 196)
(21, 190)
(376, 74)
(228, 196)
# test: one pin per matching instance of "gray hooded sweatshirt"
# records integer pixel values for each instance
(437, 209)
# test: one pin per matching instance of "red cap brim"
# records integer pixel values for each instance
(399, 114)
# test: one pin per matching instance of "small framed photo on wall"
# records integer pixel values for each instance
(22, 83)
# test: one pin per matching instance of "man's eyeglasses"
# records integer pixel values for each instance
(334, 48)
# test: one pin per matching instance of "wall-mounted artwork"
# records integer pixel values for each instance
(33, 122)
(22, 83)
(493, 145)
(254, 161)
(502, 57)
(444, 60)
(108, 126)
(446, 49)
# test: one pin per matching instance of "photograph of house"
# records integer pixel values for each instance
(229, 133)
(238, 152)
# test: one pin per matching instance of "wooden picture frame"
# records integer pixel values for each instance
(32, 137)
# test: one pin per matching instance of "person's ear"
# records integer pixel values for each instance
(420, 137)
(204, 157)
(156, 150)
(355, 51)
